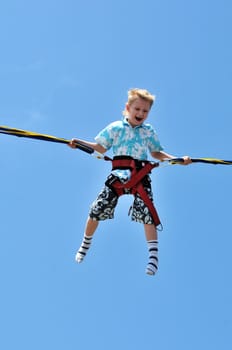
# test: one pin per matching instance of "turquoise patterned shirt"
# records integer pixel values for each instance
(129, 141)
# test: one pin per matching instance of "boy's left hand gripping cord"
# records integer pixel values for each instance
(90, 150)
(84, 147)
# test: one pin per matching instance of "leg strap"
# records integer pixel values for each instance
(135, 185)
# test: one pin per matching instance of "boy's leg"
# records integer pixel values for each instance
(152, 241)
(141, 214)
(101, 209)
(90, 228)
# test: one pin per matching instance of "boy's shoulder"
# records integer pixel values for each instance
(148, 126)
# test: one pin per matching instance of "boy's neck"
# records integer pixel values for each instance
(133, 126)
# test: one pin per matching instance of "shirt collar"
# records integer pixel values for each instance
(125, 122)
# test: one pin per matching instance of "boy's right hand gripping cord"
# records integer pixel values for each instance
(214, 161)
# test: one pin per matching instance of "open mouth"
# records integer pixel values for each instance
(139, 119)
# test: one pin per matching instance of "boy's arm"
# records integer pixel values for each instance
(163, 156)
(94, 145)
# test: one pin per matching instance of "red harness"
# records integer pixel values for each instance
(139, 169)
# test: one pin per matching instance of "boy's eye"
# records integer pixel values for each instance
(138, 109)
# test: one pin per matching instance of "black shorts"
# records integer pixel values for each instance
(104, 205)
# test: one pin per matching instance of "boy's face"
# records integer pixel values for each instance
(138, 111)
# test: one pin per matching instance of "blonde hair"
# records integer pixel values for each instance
(133, 94)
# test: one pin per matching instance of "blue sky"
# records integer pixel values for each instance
(65, 68)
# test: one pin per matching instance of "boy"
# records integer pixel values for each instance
(129, 138)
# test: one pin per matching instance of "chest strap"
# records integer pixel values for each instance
(139, 169)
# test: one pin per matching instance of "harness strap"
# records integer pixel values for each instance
(135, 185)
(139, 175)
(143, 194)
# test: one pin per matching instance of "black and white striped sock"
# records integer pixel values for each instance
(152, 265)
(82, 251)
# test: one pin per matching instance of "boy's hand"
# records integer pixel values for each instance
(72, 143)
(187, 160)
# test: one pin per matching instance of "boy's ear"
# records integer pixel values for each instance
(127, 107)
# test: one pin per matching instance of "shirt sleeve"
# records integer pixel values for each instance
(154, 143)
(105, 137)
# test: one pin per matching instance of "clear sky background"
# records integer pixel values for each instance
(65, 68)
